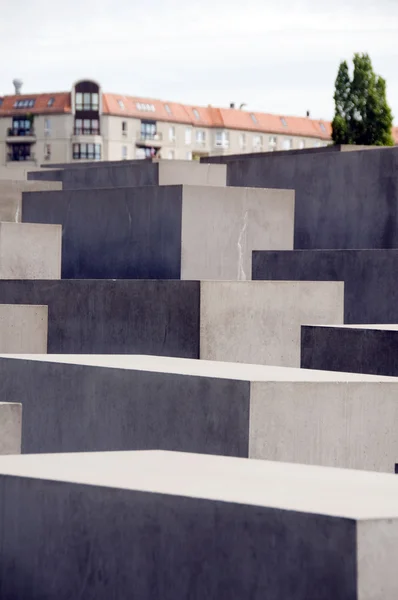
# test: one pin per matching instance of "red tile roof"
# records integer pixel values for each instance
(141, 108)
(395, 135)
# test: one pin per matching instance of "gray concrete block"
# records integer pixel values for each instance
(11, 196)
(352, 348)
(23, 329)
(10, 428)
(30, 251)
(187, 232)
(343, 199)
(102, 402)
(369, 278)
(174, 526)
(231, 321)
(247, 322)
(132, 175)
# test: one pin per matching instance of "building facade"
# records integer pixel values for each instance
(87, 124)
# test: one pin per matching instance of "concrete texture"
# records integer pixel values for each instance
(354, 348)
(343, 199)
(187, 232)
(30, 251)
(11, 196)
(259, 322)
(173, 526)
(136, 175)
(10, 428)
(370, 291)
(102, 402)
(23, 329)
(148, 317)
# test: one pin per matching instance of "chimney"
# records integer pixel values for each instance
(232, 105)
(308, 114)
(18, 83)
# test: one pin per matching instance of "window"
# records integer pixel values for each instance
(1, 101)
(124, 152)
(188, 135)
(47, 152)
(257, 141)
(171, 155)
(253, 118)
(317, 144)
(201, 137)
(322, 126)
(188, 155)
(47, 127)
(196, 113)
(87, 151)
(167, 108)
(242, 140)
(283, 121)
(124, 128)
(287, 144)
(87, 101)
(21, 126)
(301, 144)
(50, 102)
(273, 143)
(222, 139)
(172, 134)
(145, 107)
(148, 130)
(86, 127)
(26, 103)
(121, 104)
(20, 152)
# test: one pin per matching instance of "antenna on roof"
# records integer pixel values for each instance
(308, 114)
(232, 105)
(18, 83)
(242, 105)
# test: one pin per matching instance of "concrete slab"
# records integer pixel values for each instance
(11, 196)
(10, 428)
(30, 251)
(131, 175)
(369, 277)
(343, 199)
(23, 329)
(352, 348)
(177, 232)
(233, 321)
(101, 402)
(173, 526)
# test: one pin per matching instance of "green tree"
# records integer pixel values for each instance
(362, 115)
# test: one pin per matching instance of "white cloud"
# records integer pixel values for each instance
(275, 56)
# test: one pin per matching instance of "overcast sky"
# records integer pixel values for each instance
(277, 56)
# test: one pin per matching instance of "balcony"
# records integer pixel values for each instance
(86, 131)
(25, 136)
(14, 157)
(152, 140)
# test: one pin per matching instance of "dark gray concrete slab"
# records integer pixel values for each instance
(101, 175)
(343, 199)
(370, 277)
(353, 349)
(115, 317)
(120, 233)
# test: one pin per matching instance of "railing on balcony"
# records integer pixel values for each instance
(18, 132)
(14, 157)
(86, 131)
(144, 136)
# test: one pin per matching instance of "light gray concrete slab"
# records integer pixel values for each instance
(222, 226)
(97, 403)
(23, 328)
(11, 196)
(30, 251)
(247, 322)
(179, 172)
(10, 428)
(173, 526)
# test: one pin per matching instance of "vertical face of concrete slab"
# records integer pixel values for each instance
(114, 234)
(10, 428)
(23, 329)
(115, 317)
(176, 172)
(30, 251)
(377, 548)
(353, 426)
(259, 322)
(221, 227)
(11, 196)
(110, 176)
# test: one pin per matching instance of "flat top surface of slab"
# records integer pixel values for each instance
(318, 490)
(203, 368)
(381, 327)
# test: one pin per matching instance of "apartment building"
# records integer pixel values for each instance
(87, 124)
